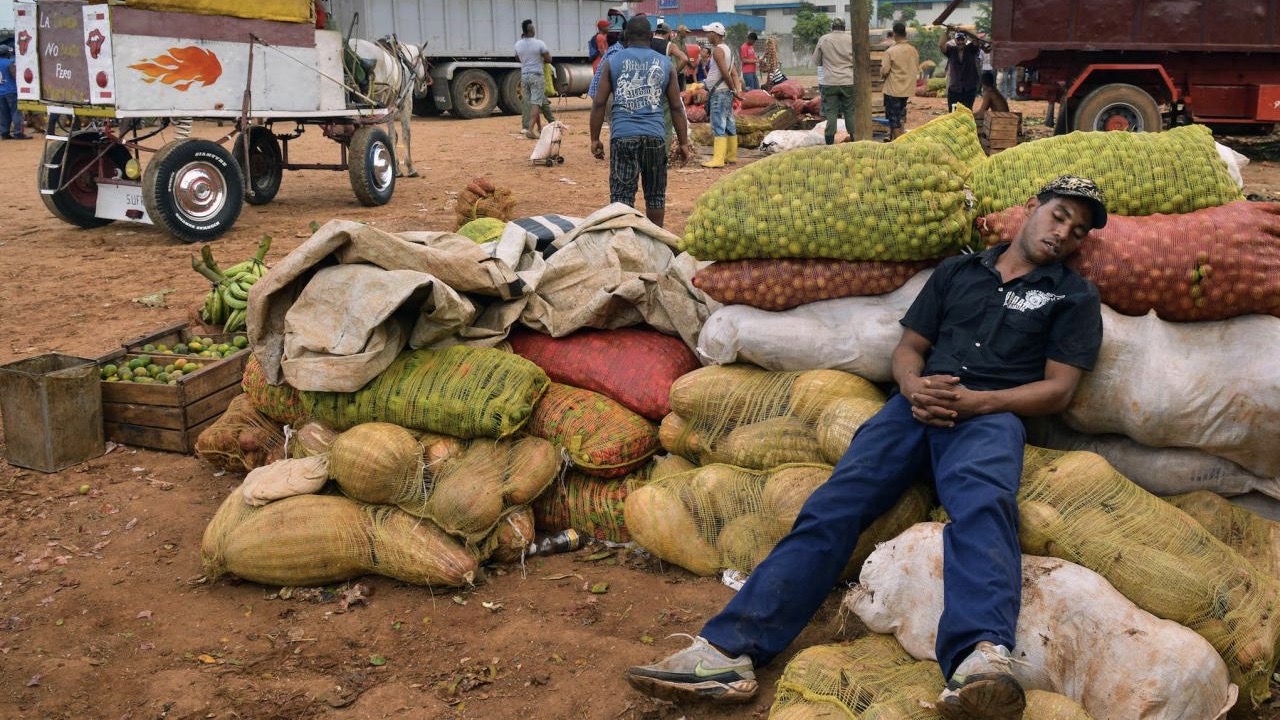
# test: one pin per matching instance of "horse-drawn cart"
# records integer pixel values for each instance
(117, 81)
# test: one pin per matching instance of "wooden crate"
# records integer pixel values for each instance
(169, 417)
(1000, 130)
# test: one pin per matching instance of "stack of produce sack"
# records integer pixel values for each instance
(820, 223)
(763, 442)
(610, 387)
(432, 478)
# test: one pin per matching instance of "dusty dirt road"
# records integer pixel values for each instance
(106, 613)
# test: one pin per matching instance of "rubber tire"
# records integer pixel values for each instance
(511, 94)
(164, 169)
(481, 86)
(367, 149)
(77, 203)
(1142, 107)
(266, 164)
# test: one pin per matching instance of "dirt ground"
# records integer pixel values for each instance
(106, 613)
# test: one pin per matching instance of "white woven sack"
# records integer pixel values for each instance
(854, 334)
(1077, 635)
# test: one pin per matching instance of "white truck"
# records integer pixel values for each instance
(469, 44)
(119, 79)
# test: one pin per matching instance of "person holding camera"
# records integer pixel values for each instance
(961, 50)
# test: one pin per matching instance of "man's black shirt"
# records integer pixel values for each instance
(995, 335)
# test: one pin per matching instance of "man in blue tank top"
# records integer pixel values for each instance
(638, 84)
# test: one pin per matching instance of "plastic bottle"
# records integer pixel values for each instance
(563, 541)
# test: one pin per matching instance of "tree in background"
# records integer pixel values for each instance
(925, 41)
(809, 27)
(982, 19)
(736, 34)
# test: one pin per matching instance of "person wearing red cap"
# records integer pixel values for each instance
(601, 42)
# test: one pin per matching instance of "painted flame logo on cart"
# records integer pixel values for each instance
(182, 68)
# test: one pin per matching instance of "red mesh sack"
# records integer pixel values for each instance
(1211, 264)
(813, 106)
(787, 283)
(787, 90)
(696, 114)
(587, 504)
(797, 106)
(281, 403)
(600, 436)
(634, 366)
(756, 99)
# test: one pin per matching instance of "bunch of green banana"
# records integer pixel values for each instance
(227, 301)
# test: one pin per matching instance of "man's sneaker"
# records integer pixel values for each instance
(983, 687)
(699, 672)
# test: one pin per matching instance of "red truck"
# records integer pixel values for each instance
(1144, 64)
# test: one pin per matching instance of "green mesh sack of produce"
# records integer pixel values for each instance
(461, 391)
(281, 403)
(956, 131)
(593, 506)
(746, 416)
(1211, 264)
(1251, 535)
(465, 487)
(852, 201)
(1176, 171)
(782, 284)
(721, 516)
(873, 678)
(870, 677)
(323, 539)
(601, 437)
(1075, 506)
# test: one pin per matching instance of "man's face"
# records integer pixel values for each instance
(1054, 229)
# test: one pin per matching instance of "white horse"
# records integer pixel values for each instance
(399, 73)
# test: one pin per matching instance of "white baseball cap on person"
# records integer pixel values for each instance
(715, 27)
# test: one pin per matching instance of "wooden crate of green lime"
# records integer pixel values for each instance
(161, 390)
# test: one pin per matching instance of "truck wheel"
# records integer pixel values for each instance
(371, 164)
(511, 94)
(77, 203)
(193, 189)
(1118, 106)
(266, 164)
(474, 94)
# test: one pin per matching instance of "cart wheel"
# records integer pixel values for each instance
(77, 203)
(266, 164)
(192, 188)
(371, 163)
(559, 159)
(549, 162)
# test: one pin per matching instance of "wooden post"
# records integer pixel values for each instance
(860, 26)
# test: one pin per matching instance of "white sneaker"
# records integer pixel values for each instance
(983, 687)
(699, 672)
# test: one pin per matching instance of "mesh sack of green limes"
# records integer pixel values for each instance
(852, 201)
(1170, 172)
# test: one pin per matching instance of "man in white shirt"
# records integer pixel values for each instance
(532, 53)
